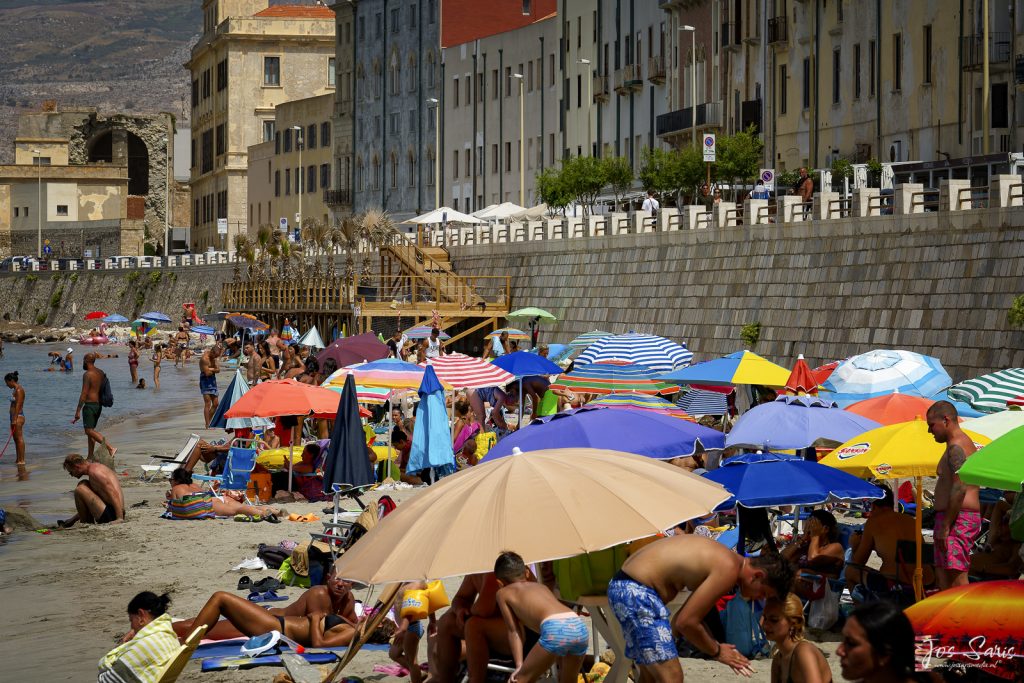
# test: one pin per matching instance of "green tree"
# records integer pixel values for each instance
(672, 171)
(619, 174)
(739, 157)
(584, 178)
(1015, 316)
(552, 190)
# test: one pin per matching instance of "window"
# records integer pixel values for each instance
(222, 74)
(222, 204)
(325, 176)
(480, 159)
(432, 118)
(206, 157)
(287, 181)
(359, 175)
(192, 161)
(871, 68)
(508, 81)
(62, 209)
(579, 32)
(856, 71)
(221, 138)
(412, 73)
(783, 83)
(494, 84)
(195, 93)
(277, 142)
(480, 87)
(431, 69)
(272, 71)
(332, 76)
(298, 180)
(195, 212)
(411, 162)
(311, 136)
(551, 69)
(393, 123)
(836, 74)
(455, 163)
(362, 28)
(394, 20)
(999, 118)
(455, 203)
(508, 156)
(376, 173)
(928, 54)
(527, 9)
(325, 134)
(432, 10)
(394, 170)
(494, 158)
(311, 179)
(277, 183)
(455, 92)
(468, 92)
(897, 62)
(378, 25)
(206, 84)
(806, 90)
(529, 76)
(288, 140)
(579, 90)
(269, 128)
(412, 15)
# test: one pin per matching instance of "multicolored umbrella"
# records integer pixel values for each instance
(638, 401)
(246, 322)
(143, 327)
(93, 315)
(989, 393)
(892, 408)
(513, 333)
(386, 373)
(156, 316)
(460, 371)
(883, 371)
(791, 422)
(423, 331)
(742, 367)
(998, 465)
(657, 353)
(609, 378)
(588, 338)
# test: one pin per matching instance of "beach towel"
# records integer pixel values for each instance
(143, 658)
(195, 506)
(464, 435)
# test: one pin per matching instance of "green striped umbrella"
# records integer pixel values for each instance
(998, 465)
(989, 393)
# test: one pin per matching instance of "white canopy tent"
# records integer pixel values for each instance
(497, 212)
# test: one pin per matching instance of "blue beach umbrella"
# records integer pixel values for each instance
(236, 390)
(557, 352)
(704, 402)
(526, 364)
(432, 435)
(791, 422)
(655, 352)
(115, 318)
(156, 316)
(203, 329)
(884, 371)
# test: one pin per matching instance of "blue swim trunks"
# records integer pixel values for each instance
(564, 635)
(644, 619)
(207, 384)
(416, 628)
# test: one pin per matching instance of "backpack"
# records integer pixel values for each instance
(742, 627)
(106, 395)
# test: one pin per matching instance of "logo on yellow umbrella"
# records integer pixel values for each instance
(853, 450)
(883, 469)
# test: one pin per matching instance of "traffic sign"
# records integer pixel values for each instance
(284, 224)
(709, 147)
(767, 176)
(222, 226)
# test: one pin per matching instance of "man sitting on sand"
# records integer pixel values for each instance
(98, 499)
(563, 635)
(655, 575)
(884, 529)
(89, 406)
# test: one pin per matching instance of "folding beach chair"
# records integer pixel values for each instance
(180, 659)
(163, 465)
(338, 533)
(237, 468)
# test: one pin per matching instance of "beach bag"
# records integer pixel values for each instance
(196, 506)
(484, 442)
(273, 555)
(742, 620)
(824, 611)
(106, 395)
(289, 577)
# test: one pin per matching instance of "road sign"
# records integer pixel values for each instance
(709, 147)
(767, 176)
(284, 224)
(298, 218)
(222, 226)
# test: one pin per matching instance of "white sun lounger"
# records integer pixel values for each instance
(163, 465)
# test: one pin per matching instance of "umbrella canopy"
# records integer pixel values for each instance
(588, 338)
(513, 333)
(442, 215)
(635, 401)
(609, 378)
(994, 425)
(143, 327)
(775, 479)
(557, 352)
(156, 316)
(311, 338)
(236, 389)
(999, 465)
(531, 312)
(203, 329)
(279, 397)
(115, 318)
(531, 214)
(742, 367)
(386, 373)
(93, 315)
(823, 372)
(791, 422)
(707, 400)
(989, 393)
(616, 497)
(883, 371)
(655, 352)
(631, 431)
(526, 364)
(374, 395)
(460, 371)
(351, 350)
(346, 461)
(432, 434)
(423, 331)
(245, 321)
(892, 408)
(499, 211)
(801, 379)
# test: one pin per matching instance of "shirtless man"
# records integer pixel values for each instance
(473, 614)
(89, 405)
(957, 507)
(99, 499)
(208, 382)
(883, 530)
(653, 577)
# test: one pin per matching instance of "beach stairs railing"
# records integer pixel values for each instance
(431, 265)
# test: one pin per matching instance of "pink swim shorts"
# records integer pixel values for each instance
(954, 552)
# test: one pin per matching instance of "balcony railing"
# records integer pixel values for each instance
(973, 49)
(601, 90)
(338, 197)
(656, 69)
(709, 114)
(777, 30)
(628, 79)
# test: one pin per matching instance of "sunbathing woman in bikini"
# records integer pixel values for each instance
(181, 486)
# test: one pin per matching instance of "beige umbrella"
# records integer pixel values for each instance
(544, 505)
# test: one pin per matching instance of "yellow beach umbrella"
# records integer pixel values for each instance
(742, 367)
(902, 450)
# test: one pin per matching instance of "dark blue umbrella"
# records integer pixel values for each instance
(156, 317)
(759, 480)
(347, 461)
(526, 364)
(632, 431)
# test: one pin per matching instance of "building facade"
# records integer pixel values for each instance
(250, 58)
(339, 198)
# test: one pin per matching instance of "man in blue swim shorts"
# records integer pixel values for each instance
(208, 381)
(655, 575)
(524, 603)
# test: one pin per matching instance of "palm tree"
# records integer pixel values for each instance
(242, 243)
(264, 236)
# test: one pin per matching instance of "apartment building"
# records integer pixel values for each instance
(339, 197)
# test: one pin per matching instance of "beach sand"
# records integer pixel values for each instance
(64, 595)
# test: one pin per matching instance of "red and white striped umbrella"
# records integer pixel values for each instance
(460, 371)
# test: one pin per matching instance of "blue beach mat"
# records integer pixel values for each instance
(230, 649)
(244, 662)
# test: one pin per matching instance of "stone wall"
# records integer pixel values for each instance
(72, 239)
(937, 283)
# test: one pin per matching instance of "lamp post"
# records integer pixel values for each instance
(435, 103)
(38, 158)
(167, 197)
(302, 171)
(693, 78)
(590, 103)
(522, 142)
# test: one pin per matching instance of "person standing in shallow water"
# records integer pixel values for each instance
(89, 406)
(17, 416)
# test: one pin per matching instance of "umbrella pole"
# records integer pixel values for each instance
(918, 569)
(387, 465)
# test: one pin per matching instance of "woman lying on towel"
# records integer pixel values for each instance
(147, 648)
(316, 630)
(184, 491)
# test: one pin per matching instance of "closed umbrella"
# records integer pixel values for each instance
(655, 352)
(156, 317)
(792, 422)
(611, 378)
(742, 367)
(432, 434)
(460, 371)
(311, 339)
(883, 371)
(801, 379)
(347, 461)
(350, 350)
(459, 525)
(236, 389)
(989, 393)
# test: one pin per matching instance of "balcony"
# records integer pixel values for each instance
(709, 115)
(656, 70)
(973, 50)
(628, 79)
(777, 30)
(601, 90)
(338, 197)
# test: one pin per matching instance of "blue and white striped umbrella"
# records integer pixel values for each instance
(657, 353)
(704, 402)
(883, 371)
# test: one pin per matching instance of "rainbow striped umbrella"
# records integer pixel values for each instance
(423, 331)
(460, 371)
(387, 373)
(635, 401)
(611, 378)
(657, 353)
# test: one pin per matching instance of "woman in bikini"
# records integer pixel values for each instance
(268, 368)
(133, 360)
(794, 660)
(819, 552)
(158, 356)
(17, 416)
(181, 486)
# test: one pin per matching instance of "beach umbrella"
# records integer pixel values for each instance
(432, 433)
(635, 401)
(372, 395)
(281, 397)
(347, 461)
(460, 371)
(115, 318)
(823, 372)
(801, 379)
(443, 215)
(655, 352)
(245, 321)
(994, 425)
(143, 328)
(93, 315)
(615, 498)
(156, 317)
(588, 338)
(883, 371)
(531, 312)
(999, 465)
(385, 373)
(706, 400)
(237, 388)
(892, 408)
(423, 332)
(742, 367)
(989, 393)
(499, 211)
(760, 480)
(513, 334)
(311, 338)
(360, 348)
(791, 422)
(970, 623)
(557, 352)
(631, 431)
(609, 378)
(526, 364)
(964, 410)
(202, 329)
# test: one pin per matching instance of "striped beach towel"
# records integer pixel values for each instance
(143, 658)
(195, 506)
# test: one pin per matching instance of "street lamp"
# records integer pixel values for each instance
(590, 103)
(435, 103)
(302, 172)
(693, 78)
(522, 153)
(38, 158)
(167, 196)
